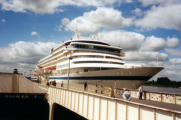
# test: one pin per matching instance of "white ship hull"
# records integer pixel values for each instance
(119, 78)
(94, 62)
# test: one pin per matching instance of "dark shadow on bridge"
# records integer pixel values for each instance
(12, 108)
(62, 113)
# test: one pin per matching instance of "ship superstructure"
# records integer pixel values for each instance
(94, 62)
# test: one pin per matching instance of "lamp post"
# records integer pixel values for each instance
(40, 69)
(69, 72)
(24, 74)
(30, 74)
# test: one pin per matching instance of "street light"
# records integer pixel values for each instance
(69, 72)
(24, 74)
(39, 75)
(30, 74)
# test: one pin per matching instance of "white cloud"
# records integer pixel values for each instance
(145, 56)
(153, 44)
(92, 21)
(171, 72)
(161, 17)
(173, 67)
(137, 11)
(65, 21)
(58, 28)
(34, 33)
(172, 42)
(3, 20)
(24, 55)
(129, 1)
(176, 52)
(83, 25)
(159, 2)
(37, 6)
(49, 6)
(156, 44)
(123, 39)
(175, 61)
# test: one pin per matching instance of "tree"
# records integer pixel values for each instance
(153, 82)
(159, 80)
(165, 81)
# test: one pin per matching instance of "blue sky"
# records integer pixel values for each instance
(29, 29)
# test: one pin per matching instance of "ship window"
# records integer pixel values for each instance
(97, 48)
(67, 43)
(94, 42)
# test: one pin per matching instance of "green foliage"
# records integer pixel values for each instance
(163, 82)
(153, 82)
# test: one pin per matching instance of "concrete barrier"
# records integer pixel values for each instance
(15, 83)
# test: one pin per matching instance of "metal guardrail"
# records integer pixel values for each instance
(99, 107)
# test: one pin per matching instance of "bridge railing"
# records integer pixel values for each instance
(89, 88)
(147, 95)
(158, 96)
(98, 107)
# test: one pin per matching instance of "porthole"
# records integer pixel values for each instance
(130, 73)
(117, 73)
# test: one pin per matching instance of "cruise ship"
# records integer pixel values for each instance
(92, 61)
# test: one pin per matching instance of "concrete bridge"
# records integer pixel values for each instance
(87, 104)
(94, 106)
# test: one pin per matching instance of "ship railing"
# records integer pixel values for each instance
(92, 52)
(140, 66)
(154, 65)
(97, 57)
